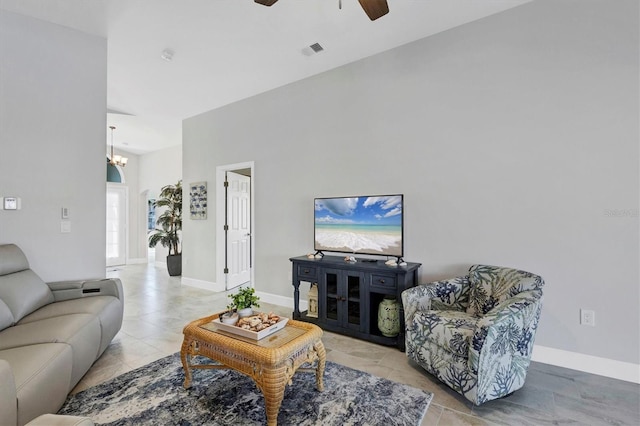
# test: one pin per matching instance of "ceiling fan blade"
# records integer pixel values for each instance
(374, 8)
(266, 2)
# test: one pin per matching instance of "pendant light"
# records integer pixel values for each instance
(116, 160)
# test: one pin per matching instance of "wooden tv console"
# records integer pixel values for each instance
(349, 294)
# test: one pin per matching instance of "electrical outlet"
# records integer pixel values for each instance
(587, 317)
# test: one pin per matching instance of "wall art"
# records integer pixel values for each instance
(198, 200)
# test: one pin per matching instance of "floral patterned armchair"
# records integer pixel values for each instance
(475, 333)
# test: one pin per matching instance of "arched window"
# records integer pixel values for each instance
(114, 174)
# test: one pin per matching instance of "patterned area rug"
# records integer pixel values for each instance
(154, 395)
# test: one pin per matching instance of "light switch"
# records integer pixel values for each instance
(65, 226)
(65, 212)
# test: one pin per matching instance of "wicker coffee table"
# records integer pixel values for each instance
(271, 362)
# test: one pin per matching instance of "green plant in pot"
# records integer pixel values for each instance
(243, 300)
(169, 226)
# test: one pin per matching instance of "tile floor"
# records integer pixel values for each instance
(158, 306)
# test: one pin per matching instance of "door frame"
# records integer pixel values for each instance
(221, 277)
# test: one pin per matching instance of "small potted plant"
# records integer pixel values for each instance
(243, 300)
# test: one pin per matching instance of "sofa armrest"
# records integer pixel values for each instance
(446, 294)
(8, 396)
(66, 290)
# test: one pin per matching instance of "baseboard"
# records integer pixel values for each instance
(620, 370)
(205, 285)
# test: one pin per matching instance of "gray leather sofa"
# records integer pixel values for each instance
(50, 335)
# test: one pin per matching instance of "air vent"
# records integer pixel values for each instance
(312, 50)
(316, 47)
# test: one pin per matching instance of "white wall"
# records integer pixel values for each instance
(52, 135)
(513, 138)
(158, 169)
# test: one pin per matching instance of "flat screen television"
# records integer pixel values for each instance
(360, 225)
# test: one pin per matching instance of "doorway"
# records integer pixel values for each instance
(235, 224)
(116, 224)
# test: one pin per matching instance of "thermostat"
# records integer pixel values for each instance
(11, 203)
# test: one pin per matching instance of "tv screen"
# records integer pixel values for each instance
(364, 225)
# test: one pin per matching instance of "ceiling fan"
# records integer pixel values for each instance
(373, 8)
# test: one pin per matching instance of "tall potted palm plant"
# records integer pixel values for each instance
(169, 226)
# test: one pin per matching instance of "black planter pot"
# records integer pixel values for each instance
(174, 264)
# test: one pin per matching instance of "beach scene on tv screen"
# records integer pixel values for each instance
(370, 225)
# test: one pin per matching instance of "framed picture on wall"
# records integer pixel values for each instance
(198, 200)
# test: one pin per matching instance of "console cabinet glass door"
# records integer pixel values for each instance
(341, 291)
(353, 291)
(329, 292)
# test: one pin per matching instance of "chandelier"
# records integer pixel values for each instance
(116, 160)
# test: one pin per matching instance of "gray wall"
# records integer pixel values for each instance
(52, 145)
(514, 139)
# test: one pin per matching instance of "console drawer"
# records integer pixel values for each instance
(383, 281)
(308, 272)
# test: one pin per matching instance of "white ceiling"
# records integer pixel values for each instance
(227, 50)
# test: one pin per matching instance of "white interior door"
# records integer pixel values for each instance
(238, 230)
(116, 225)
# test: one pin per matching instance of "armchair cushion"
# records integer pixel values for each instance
(450, 294)
(451, 330)
(491, 285)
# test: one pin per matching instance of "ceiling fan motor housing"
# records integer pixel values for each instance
(373, 8)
